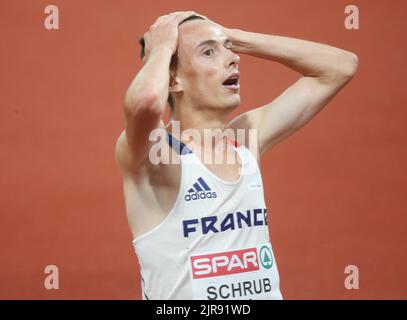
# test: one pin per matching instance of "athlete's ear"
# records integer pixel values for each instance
(175, 82)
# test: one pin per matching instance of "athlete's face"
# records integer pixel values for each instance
(205, 61)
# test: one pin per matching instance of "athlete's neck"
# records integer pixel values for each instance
(199, 133)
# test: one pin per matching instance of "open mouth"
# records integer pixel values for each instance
(232, 82)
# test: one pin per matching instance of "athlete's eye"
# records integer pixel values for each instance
(206, 52)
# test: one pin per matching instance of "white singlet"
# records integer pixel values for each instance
(214, 243)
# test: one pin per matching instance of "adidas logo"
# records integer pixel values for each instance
(200, 190)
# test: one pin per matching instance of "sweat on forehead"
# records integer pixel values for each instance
(196, 31)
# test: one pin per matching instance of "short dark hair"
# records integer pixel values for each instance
(174, 58)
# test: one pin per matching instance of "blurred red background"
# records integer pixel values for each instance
(336, 189)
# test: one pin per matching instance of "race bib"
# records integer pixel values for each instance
(249, 273)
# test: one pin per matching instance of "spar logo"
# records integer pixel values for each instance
(266, 257)
(225, 263)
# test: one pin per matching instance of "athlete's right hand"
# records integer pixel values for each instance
(164, 32)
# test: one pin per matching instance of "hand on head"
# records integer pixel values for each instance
(164, 32)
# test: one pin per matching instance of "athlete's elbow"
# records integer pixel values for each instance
(349, 65)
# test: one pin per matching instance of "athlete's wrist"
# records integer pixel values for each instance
(160, 50)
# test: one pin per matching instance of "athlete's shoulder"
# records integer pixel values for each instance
(155, 163)
(243, 136)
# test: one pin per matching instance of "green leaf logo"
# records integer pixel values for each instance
(266, 257)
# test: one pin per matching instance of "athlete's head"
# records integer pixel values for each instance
(200, 66)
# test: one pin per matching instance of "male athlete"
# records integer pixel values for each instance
(200, 227)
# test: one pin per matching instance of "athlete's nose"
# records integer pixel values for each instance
(234, 59)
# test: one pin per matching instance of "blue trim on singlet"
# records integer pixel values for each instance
(142, 289)
(178, 146)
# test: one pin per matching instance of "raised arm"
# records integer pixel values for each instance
(325, 71)
(145, 99)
